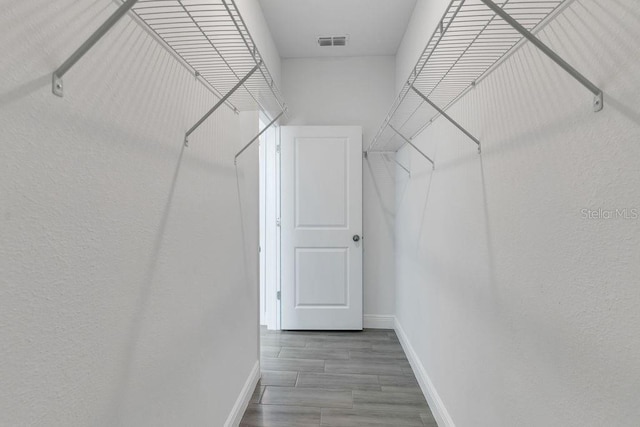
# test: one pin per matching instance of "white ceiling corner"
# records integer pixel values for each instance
(374, 27)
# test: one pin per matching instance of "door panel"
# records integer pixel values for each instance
(321, 277)
(321, 212)
(320, 182)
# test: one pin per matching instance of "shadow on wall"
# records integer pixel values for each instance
(382, 175)
(94, 190)
(243, 234)
(120, 393)
(424, 208)
(628, 111)
(23, 90)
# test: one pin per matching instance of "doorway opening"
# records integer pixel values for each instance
(310, 204)
(269, 211)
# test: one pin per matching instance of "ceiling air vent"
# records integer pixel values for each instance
(325, 41)
(340, 41)
(332, 41)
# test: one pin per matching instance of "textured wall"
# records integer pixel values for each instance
(251, 12)
(522, 312)
(426, 16)
(124, 297)
(354, 91)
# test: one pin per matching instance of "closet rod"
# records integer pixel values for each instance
(255, 138)
(433, 165)
(446, 116)
(386, 157)
(397, 163)
(220, 102)
(56, 84)
(598, 101)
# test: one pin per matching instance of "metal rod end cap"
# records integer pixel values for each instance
(56, 86)
(598, 102)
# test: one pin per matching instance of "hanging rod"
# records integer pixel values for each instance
(255, 138)
(219, 103)
(56, 80)
(598, 101)
(397, 163)
(446, 116)
(385, 154)
(407, 141)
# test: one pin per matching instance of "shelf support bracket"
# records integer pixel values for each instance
(56, 79)
(255, 138)
(598, 101)
(408, 141)
(220, 102)
(446, 116)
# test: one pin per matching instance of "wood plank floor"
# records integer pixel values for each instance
(336, 379)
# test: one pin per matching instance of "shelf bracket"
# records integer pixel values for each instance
(598, 101)
(56, 79)
(255, 138)
(408, 141)
(220, 102)
(446, 116)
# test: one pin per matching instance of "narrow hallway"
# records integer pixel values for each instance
(336, 379)
(460, 178)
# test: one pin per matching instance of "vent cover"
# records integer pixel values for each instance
(332, 41)
(340, 41)
(325, 41)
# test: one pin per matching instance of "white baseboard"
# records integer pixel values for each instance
(438, 409)
(234, 418)
(379, 321)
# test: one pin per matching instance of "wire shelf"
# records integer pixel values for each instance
(470, 40)
(212, 38)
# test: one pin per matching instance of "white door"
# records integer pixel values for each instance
(321, 226)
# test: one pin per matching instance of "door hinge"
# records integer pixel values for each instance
(277, 222)
(278, 148)
(278, 295)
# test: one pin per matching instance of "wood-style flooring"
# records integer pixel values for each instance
(336, 379)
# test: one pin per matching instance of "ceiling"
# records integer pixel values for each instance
(374, 27)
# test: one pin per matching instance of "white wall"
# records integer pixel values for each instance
(254, 19)
(425, 18)
(522, 312)
(128, 295)
(354, 91)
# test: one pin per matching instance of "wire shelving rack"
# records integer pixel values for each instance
(472, 37)
(211, 37)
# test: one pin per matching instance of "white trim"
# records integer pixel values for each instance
(379, 321)
(234, 418)
(433, 399)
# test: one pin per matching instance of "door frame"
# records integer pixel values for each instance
(269, 216)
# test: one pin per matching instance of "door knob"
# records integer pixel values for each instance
(356, 238)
